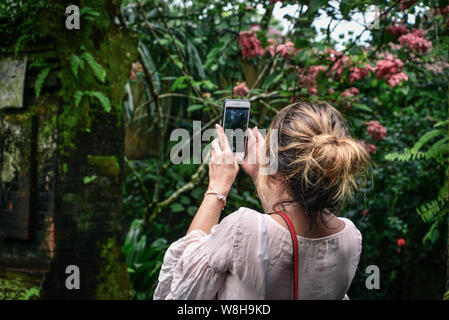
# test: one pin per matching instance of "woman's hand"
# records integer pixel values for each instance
(256, 143)
(223, 167)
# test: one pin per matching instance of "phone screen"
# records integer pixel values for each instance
(236, 118)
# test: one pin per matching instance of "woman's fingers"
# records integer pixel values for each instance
(259, 137)
(251, 153)
(223, 139)
(216, 151)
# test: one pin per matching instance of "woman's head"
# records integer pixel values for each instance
(317, 161)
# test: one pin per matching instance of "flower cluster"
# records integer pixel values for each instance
(250, 45)
(307, 77)
(360, 72)
(339, 61)
(287, 49)
(349, 93)
(240, 89)
(370, 148)
(347, 97)
(416, 41)
(390, 70)
(397, 29)
(375, 130)
(396, 79)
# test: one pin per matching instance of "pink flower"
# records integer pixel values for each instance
(240, 89)
(307, 77)
(136, 67)
(347, 97)
(365, 213)
(387, 67)
(390, 69)
(255, 27)
(397, 30)
(397, 78)
(349, 93)
(287, 49)
(339, 61)
(401, 242)
(370, 148)
(250, 45)
(415, 41)
(360, 73)
(375, 130)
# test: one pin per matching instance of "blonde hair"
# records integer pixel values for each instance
(316, 157)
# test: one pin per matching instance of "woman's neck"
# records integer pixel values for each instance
(306, 226)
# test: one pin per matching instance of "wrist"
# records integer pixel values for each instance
(220, 188)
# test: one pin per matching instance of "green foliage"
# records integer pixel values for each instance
(17, 288)
(76, 62)
(31, 294)
(89, 179)
(194, 60)
(143, 261)
(40, 80)
(435, 210)
(104, 101)
(98, 70)
(112, 280)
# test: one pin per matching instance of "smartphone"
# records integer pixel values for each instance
(236, 116)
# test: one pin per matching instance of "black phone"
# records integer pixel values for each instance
(236, 117)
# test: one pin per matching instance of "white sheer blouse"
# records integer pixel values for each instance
(248, 255)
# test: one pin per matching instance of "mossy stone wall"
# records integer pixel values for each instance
(77, 205)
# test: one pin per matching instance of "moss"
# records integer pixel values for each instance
(112, 279)
(111, 46)
(106, 165)
(15, 286)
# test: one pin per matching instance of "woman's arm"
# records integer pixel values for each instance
(223, 169)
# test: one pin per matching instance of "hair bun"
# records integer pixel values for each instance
(317, 158)
(324, 138)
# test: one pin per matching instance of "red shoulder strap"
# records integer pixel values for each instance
(291, 228)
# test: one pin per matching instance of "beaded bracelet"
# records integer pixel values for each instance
(219, 196)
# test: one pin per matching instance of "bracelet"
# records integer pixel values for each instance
(219, 196)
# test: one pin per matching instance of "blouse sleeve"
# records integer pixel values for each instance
(195, 266)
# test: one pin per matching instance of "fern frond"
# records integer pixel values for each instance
(76, 63)
(37, 63)
(426, 138)
(431, 209)
(406, 155)
(438, 149)
(98, 70)
(40, 80)
(441, 123)
(78, 96)
(104, 100)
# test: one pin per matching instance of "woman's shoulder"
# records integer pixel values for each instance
(243, 218)
(248, 216)
(350, 226)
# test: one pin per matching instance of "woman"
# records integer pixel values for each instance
(248, 255)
